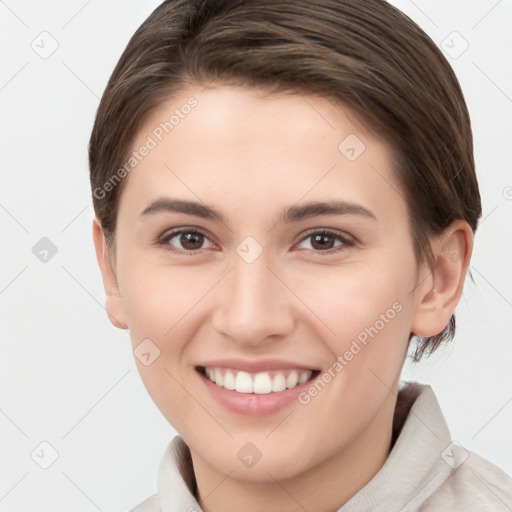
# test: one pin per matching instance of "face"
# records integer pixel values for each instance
(263, 243)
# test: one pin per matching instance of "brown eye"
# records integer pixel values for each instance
(186, 241)
(322, 241)
(327, 241)
(191, 241)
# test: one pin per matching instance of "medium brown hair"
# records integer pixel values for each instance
(365, 54)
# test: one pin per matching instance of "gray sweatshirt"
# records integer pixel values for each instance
(425, 471)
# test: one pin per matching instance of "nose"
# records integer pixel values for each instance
(253, 306)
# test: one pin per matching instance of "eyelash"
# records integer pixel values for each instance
(345, 240)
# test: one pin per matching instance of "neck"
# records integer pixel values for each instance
(323, 488)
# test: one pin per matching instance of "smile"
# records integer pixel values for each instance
(260, 383)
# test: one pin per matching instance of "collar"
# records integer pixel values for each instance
(414, 468)
(420, 434)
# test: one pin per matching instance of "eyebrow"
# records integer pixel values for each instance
(292, 214)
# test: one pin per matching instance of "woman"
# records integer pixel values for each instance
(285, 199)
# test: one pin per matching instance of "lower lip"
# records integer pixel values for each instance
(253, 404)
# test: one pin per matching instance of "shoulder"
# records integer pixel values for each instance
(472, 484)
(151, 504)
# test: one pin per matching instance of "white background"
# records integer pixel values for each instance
(68, 376)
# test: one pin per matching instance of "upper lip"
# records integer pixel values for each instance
(254, 366)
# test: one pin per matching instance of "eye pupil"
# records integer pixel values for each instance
(324, 240)
(191, 241)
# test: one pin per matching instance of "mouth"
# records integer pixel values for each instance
(258, 383)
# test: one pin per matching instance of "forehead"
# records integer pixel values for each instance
(245, 148)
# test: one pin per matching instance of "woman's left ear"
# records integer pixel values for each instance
(440, 289)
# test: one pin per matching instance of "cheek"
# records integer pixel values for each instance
(369, 310)
(356, 303)
(159, 304)
(159, 298)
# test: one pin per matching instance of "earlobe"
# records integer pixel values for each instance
(113, 300)
(440, 292)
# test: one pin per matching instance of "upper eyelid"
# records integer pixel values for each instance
(186, 229)
(329, 231)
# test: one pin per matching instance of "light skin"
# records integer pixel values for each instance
(250, 158)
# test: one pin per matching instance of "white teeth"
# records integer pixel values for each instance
(278, 383)
(292, 379)
(304, 376)
(260, 383)
(219, 379)
(243, 383)
(229, 381)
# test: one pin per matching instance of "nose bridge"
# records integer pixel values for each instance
(252, 284)
(252, 305)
